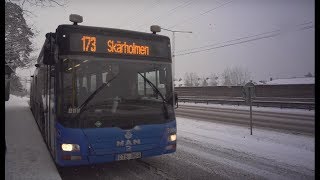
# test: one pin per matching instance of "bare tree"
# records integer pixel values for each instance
(191, 79)
(204, 82)
(235, 76)
(197, 81)
(16, 88)
(213, 80)
(40, 3)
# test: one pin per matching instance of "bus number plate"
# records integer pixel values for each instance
(128, 156)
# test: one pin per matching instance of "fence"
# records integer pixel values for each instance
(283, 96)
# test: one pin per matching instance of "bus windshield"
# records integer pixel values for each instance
(115, 92)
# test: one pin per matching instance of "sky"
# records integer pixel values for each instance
(291, 53)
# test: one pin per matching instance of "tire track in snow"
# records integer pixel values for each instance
(244, 162)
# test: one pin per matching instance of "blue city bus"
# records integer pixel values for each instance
(101, 95)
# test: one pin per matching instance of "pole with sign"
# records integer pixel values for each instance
(248, 92)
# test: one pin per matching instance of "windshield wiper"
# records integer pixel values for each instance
(85, 103)
(156, 90)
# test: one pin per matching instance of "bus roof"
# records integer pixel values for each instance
(101, 30)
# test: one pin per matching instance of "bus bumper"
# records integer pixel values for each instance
(77, 160)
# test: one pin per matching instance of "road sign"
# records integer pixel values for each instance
(248, 91)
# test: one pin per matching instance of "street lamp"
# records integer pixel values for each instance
(173, 45)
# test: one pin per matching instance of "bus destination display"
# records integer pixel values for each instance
(118, 45)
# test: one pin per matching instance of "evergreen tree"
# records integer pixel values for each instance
(17, 36)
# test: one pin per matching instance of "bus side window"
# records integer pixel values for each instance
(152, 77)
(104, 77)
(144, 89)
(84, 82)
(99, 80)
(93, 84)
(36, 87)
(78, 84)
(160, 86)
(141, 91)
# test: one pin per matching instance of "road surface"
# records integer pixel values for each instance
(285, 120)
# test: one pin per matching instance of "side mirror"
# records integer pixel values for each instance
(48, 53)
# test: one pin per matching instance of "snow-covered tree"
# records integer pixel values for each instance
(235, 76)
(213, 80)
(40, 3)
(204, 82)
(17, 36)
(191, 79)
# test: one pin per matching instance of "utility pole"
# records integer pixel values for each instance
(173, 47)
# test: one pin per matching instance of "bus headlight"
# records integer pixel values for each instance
(70, 147)
(172, 137)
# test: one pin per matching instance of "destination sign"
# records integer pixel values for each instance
(124, 48)
(103, 44)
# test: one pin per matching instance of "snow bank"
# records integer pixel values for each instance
(254, 108)
(296, 150)
(27, 155)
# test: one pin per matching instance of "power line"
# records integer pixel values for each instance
(153, 5)
(241, 42)
(171, 11)
(192, 52)
(191, 49)
(246, 37)
(201, 14)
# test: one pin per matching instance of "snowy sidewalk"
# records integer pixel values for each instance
(27, 155)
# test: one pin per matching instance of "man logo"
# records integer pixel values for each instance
(120, 143)
(128, 142)
(128, 135)
(98, 124)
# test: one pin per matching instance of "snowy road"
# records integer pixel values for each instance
(289, 120)
(208, 150)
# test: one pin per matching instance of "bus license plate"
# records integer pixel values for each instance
(128, 156)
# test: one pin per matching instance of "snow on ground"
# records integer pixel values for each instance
(254, 108)
(27, 156)
(296, 150)
(300, 80)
